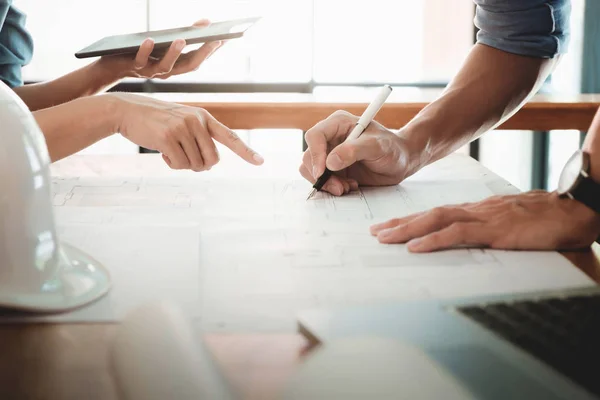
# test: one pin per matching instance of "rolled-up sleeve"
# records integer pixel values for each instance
(16, 45)
(535, 28)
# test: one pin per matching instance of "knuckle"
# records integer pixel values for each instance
(310, 134)
(459, 229)
(202, 113)
(395, 221)
(235, 138)
(178, 129)
(304, 172)
(516, 204)
(438, 213)
(313, 157)
(197, 162)
(190, 119)
(217, 157)
(494, 199)
(211, 159)
(168, 134)
(307, 157)
(434, 239)
(341, 115)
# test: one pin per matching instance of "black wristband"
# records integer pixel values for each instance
(587, 192)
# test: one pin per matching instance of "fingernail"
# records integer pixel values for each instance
(414, 244)
(335, 161)
(315, 172)
(375, 227)
(180, 45)
(384, 233)
(258, 158)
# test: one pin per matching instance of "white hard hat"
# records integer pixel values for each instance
(37, 272)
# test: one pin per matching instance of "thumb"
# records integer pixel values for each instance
(201, 23)
(348, 153)
(342, 157)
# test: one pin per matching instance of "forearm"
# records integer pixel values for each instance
(490, 87)
(73, 126)
(592, 146)
(91, 79)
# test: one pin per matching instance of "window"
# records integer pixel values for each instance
(320, 43)
(326, 41)
(297, 41)
(61, 27)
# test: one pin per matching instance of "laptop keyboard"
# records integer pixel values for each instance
(564, 332)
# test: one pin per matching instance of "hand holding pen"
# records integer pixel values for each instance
(367, 151)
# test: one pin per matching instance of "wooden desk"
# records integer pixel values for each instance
(302, 111)
(70, 361)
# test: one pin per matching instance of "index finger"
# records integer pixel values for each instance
(226, 136)
(334, 128)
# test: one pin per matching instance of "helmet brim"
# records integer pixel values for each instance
(80, 280)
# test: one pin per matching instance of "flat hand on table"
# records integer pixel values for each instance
(535, 220)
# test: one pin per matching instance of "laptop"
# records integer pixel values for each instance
(543, 345)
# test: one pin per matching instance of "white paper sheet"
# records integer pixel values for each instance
(247, 254)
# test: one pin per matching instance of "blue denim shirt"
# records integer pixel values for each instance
(16, 45)
(535, 28)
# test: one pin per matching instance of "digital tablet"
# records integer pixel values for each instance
(130, 43)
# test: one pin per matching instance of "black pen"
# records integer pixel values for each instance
(360, 127)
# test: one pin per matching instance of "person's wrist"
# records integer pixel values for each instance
(417, 151)
(114, 110)
(111, 69)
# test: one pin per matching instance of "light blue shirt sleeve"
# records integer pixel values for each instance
(535, 28)
(16, 45)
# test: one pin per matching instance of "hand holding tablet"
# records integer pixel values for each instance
(201, 32)
(159, 54)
